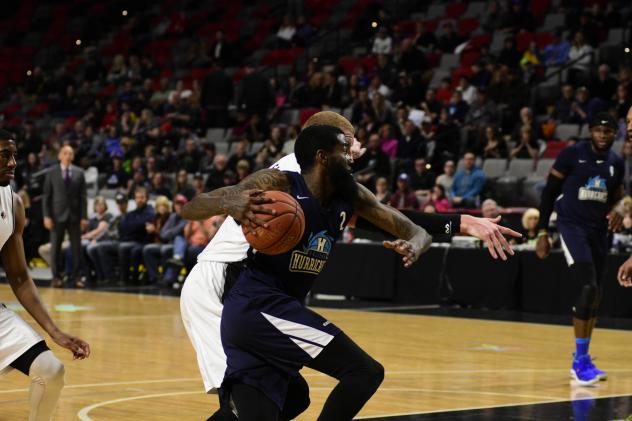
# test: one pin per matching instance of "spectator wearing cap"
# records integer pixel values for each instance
(468, 183)
(160, 250)
(132, 236)
(404, 197)
(109, 239)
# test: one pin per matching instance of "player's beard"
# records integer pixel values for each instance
(344, 184)
(601, 150)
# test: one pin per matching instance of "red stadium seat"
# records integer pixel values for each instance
(523, 39)
(478, 40)
(306, 113)
(553, 148)
(469, 57)
(348, 64)
(455, 10)
(543, 39)
(466, 26)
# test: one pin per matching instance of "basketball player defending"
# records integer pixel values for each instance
(20, 346)
(201, 298)
(589, 177)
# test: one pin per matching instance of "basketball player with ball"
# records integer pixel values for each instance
(268, 334)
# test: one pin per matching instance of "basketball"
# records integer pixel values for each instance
(285, 229)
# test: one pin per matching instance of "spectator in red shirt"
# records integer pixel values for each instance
(404, 197)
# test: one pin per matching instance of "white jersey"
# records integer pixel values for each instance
(7, 217)
(229, 243)
(16, 336)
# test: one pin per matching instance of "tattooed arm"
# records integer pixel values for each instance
(241, 201)
(412, 239)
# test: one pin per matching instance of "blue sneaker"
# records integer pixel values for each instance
(582, 371)
(601, 374)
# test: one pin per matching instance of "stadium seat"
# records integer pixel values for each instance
(215, 135)
(455, 9)
(553, 21)
(566, 131)
(449, 61)
(436, 10)
(474, 9)
(494, 168)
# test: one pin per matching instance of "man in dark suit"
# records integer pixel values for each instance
(217, 92)
(65, 209)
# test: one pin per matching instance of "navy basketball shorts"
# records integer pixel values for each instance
(582, 244)
(268, 336)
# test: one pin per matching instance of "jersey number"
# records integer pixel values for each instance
(343, 216)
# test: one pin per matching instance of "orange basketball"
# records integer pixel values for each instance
(285, 229)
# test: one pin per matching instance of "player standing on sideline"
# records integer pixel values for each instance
(221, 262)
(20, 346)
(588, 176)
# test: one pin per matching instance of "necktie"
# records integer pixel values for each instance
(67, 175)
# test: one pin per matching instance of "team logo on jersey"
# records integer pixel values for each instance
(313, 257)
(595, 189)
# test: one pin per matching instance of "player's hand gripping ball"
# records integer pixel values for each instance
(284, 229)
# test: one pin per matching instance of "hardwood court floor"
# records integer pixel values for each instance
(143, 366)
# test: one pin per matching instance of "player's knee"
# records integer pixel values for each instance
(49, 370)
(55, 376)
(375, 373)
(587, 302)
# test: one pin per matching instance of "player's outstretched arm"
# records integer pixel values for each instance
(625, 273)
(241, 201)
(14, 263)
(492, 234)
(412, 240)
(484, 229)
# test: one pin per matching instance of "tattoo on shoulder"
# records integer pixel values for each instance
(266, 180)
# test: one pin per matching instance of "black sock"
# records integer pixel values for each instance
(358, 374)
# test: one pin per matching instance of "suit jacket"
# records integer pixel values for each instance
(65, 202)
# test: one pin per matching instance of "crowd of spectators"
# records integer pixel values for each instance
(145, 133)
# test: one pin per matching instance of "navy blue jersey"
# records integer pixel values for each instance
(294, 272)
(590, 183)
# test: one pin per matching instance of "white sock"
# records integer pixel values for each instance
(47, 380)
